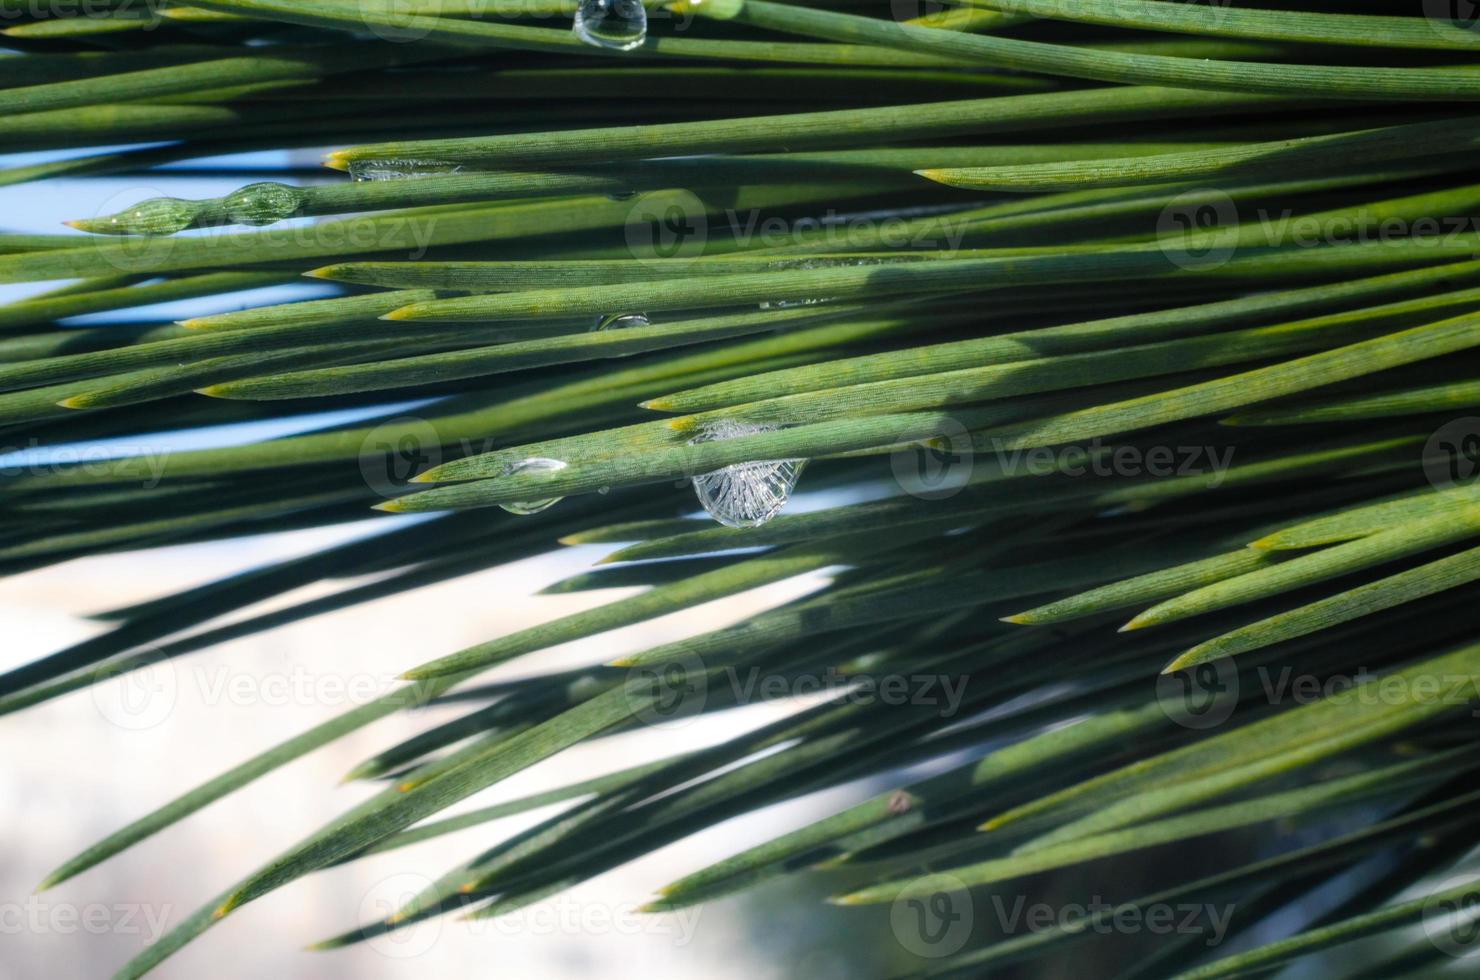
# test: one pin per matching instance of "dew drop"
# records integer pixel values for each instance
(745, 494)
(617, 24)
(400, 169)
(620, 321)
(158, 216)
(535, 464)
(262, 204)
(787, 304)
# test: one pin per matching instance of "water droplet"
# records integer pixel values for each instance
(623, 196)
(620, 321)
(262, 204)
(157, 216)
(745, 494)
(400, 169)
(617, 24)
(787, 304)
(535, 464)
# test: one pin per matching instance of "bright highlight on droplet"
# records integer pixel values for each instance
(745, 494)
(535, 464)
(620, 321)
(617, 24)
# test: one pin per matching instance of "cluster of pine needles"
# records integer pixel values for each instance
(1032, 241)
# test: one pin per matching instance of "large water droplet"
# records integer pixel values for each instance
(535, 464)
(620, 321)
(617, 24)
(262, 204)
(400, 169)
(745, 494)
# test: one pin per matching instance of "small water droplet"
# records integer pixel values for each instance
(745, 494)
(535, 464)
(400, 169)
(620, 321)
(617, 24)
(787, 304)
(262, 204)
(158, 216)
